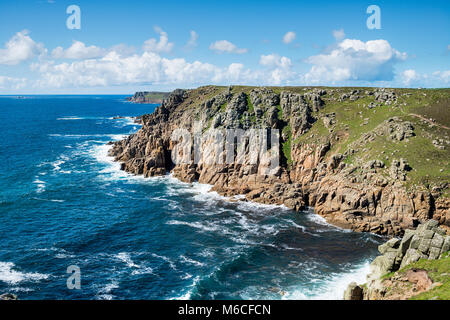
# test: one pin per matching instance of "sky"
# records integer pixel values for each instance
(119, 47)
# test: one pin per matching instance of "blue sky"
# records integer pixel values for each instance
(124, 46)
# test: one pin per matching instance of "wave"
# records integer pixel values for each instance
(40, 185)
(138, 269)
(112, 136)
(105, 292)
(11, 276)
(317, 219)
(188, 294)
(191, 261)
(332, 289)
(196, 225)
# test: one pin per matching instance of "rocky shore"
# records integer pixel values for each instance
(344, 151)
(396, 273)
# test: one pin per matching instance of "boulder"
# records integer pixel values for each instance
(353, 292)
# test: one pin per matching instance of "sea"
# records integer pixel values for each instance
(65, 204)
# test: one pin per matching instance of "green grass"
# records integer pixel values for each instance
(280, 112)
(438, 271)
(351, 116)
(250, 107)
(286, 145)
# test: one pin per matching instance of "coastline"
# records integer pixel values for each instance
(337, 284)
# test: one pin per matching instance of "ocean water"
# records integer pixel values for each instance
(64, 202)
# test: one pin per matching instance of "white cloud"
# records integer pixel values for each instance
(149, 67)
(20, 48)
(163, 45)
(274, 60)
(78, 50)
(355, 60)
(225, 46)
(192, 42)
(409, 76)
(279, 68)
(442, 76)
(339, 34)
(12, 83)
(289, 37)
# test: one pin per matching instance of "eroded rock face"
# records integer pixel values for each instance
(354, 196)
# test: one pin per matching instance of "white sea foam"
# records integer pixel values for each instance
(197, 225)
(125, 257)
(105, 292)
(332, 289)
(191, 261)
(70, 118)
(166, 259)
(40, 185)
(137, 269)
(187, 295)
(11, 276)
(50, 200)
(311, 216)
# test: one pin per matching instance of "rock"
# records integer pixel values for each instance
(385, 263)
(8, 296)
(406, 241)
(353, 292)
(412, 255)
(391, 244)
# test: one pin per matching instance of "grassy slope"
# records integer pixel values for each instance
(439, 272)
(156, 96)
(430, 165)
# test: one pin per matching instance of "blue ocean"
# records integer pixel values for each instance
(64, 202)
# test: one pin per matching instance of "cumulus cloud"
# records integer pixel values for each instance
(225, 46)
(20, 48)
(12, 83)
(409, 76)
(355, 60)
(274, 60)
(192, 42)
(339, 34)
(78, 50)
(442, 76)
(163, 45)
(279, 68)
(150, 67)
(289, 37)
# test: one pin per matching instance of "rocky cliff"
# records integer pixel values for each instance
(148, 97)
(366, 159)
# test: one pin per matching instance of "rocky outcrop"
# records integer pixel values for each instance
(148, 97)
(428, 241)
(367, 196)
(8, 296)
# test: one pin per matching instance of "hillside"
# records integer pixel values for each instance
(370, 159)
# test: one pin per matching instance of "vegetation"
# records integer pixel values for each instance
(439, 272)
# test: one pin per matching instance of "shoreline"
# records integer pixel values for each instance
(357, 272)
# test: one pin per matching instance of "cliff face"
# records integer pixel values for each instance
(360, 157)
(148, 97)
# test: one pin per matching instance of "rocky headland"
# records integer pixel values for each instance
(148, 97)
(366, 159)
